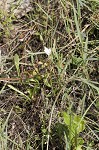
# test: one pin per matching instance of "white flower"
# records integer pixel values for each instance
(47, 50)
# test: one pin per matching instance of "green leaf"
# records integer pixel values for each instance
(76, 60)
(79, 147)
(17, 61)
(74, 122)
(47, 83)
(66, 118)
(79, 126)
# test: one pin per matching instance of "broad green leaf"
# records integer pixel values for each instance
(79, 126)
(79, 147)
(66, 118)
(74, 122)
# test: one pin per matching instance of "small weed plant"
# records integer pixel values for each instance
(49, 76)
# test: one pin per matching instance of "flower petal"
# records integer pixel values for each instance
(47, 51)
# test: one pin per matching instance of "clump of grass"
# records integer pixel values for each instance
(54, 96)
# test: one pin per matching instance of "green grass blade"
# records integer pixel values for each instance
(5, 123)
(77, 25)
(89, 83)
(85, 50)
(21, 93)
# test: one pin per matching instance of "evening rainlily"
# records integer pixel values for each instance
(47, 51)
